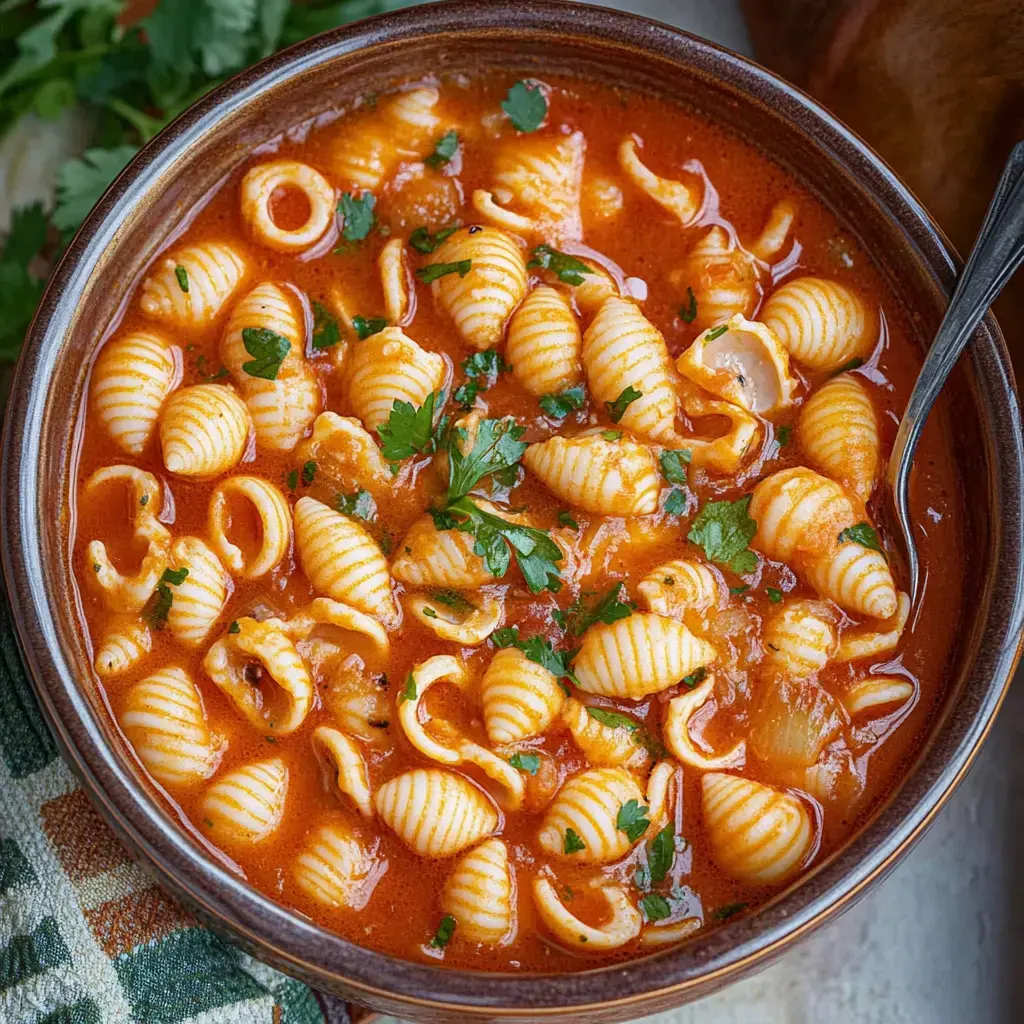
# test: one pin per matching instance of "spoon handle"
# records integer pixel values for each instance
(997, 253)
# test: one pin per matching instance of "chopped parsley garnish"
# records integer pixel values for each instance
(724, 529)
(632, 820)
(433, 271)
(268, 350)
(182, 275)
(357, 215)
(409, 690)
(611, 435)
(572, 842)
(444, 149)
(308, 472)
(677, 502)
(741, 589)
(452, 599)
(496, 447)
(444, 933)
(613, 719)
(578, 619)
(409, 430)
(617, 409)
(783, 436)
(565, 519)
(292, 479)
(661, 854)
(729, 910)
(158, 607)
(234, 627)
(529, 763)
(423, 241)
(716, 332)
(862, 534)
(673, 465)
(559, 406)
(568, 269)
(538, 650)
(774, 595)
(430, 613)
(855, 363)
(367, 326)
(688, 313)
(525, 106)
(655, 907)
(482, 370)
(695, 677)
(359, 505)
(326, 331)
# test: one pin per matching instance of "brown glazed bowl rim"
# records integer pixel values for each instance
(291, 941)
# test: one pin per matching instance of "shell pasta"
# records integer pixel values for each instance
(474, 524)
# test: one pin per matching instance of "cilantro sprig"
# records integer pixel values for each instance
(724, 529)
(561, 405)
(862, 534)
(444, 150)
(481, 370)
(496, 447)
(357, 216)
(578, 618)
(268, 350)
(538, 650)
(525, 106)
(409, 430)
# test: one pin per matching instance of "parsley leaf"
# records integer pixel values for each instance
(715, 332)
(268, 350)
(454, 600)
(724, 529)
(433, 271)
(783, 436)
(525, 106)
(572, 842)
(559, 406)
(569, 269)
(565, 519)
(673, 463)
(482, 369)
(444, 933)
(688, 313)
(182, 275)
(359, 505)
(326, 331)
(774, 595)
(308, 472)
(538, 650)
(862, 534)
(632, 819)
(366, 327)
(661, 854)
(496, 446)
(444, 149)
(424, 242)
(611, 435)
(82, 181)
(409, 690)
(855, 363)
(613, 719)
(729, 910)
(409, 430)
(677, 502)
(608, 609)
(616, 410)
(695, 677)
(357, 215)
(655, 907)
(529, 763)
(158, 607)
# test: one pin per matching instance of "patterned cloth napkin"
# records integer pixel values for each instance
(86, 937)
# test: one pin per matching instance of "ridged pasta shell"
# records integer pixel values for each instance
(125, 643)
(637, 656)
(744, 363)
(336, 869)
(680, 199)
(589, 804)
(758, 834)
(213, 271)
(257, 191)
(390, 367)
(283, 409)
(721, 452)
(343, 449)
(132, 377)
(876, 691)
(479, 894)
(682, 587)
(467, 627)
(608, 478)
(621, 349)
(869, 643)
(343, 766)
(623, 926)
(481, 302)
(275, 525)
(676, 732)
(800, 638)
(203, 430)
(322, 611)
(164, 721)
(822, 323)
(598, 286)
(544, 343)
(246, 806)
(396, 281)
(604, 746)
(267, 307)
(800, 516)
(436, 813)
(199, 599)
(340, 559)
(838, 433)
(519, 698)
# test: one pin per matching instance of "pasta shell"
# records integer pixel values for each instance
(344, 768)
(623, 926)
(247, 805)
(742, 362)
(132, 377)
(723, 452)
(125, 643)
(838, 433)
(203, 431)
(621, 349)
(390, 367)
(758, 835)
(601, 200)
(479, 894)
(821, 323)
(609, 478)
(283, 409)
(800, 518)
(544, 343)
(637, 656)
(875, 692)
(213, 271)
(597, 287)
(800, 638)
(668, 934)
(683, 201)
(605, 746)
(519, 698)
(322, 611)
(257, 192)
(344, 450)
(682, 587)
(869, 643)
(793, 722)
(199, 599)
(164, 721)
(336, 869)
(481, 302)
(680, 744)
(412, 118)
(268, 507)
(541, 177)
(436, 813)
(276, 696)
(340, 559)
(589, 805)
(457, 619)
(396, 282)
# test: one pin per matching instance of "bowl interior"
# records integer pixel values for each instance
(152, 201)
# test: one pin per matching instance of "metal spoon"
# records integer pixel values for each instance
(998, 251)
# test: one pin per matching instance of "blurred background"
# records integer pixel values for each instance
(936, 86)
